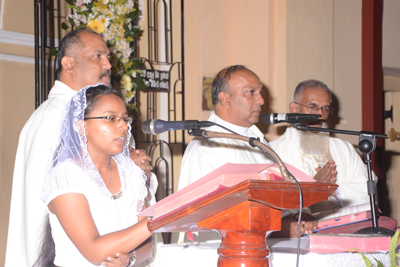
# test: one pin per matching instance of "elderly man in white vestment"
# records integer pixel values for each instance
(83, 59)
(324, 158)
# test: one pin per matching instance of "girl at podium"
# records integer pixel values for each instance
(92, 189)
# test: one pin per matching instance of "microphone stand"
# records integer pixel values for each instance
(367, 145)
(269, 151)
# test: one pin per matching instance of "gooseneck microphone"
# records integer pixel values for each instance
(156, 126)
(273, 118)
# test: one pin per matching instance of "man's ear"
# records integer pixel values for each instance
(223, 98)
(293, 107)
(68, 63)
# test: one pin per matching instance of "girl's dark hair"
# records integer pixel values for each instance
(47, 252)
(92, 96)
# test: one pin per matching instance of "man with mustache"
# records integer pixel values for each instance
(326, 159)
(237, 97)
(83, 59)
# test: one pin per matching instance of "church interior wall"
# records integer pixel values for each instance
(324, 43)
(16, 94)
(283, 41)
(391, 59)
(18, 16)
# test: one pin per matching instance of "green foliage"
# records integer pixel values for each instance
(133, 32)
(138, 83)
(64, 26)
(366, 260)
(53, 52)
(380, 264)
(392, 253)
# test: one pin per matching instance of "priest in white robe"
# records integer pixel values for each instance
(203, 155)
(316, 153)
(237, 97)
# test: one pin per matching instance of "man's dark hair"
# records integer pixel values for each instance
(221, 81)
(310, 84)
(93, 93)
(69, 41)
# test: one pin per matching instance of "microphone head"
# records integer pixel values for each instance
(148, 127)
(268, 118)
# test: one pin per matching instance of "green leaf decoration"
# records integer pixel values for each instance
(136, 29)
(137, 62)
(131, 108)
(64, 26)
(366, 260)
(71, 21)
(74, 7)
(133, 15)
(70, 2)
(139, 83)
(380, 264)
(392, 253)
(53, 52)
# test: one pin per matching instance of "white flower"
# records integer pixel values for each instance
(104, 20)
(91, 17)
(81, 2)
(129, 4)
(121, 10)
(77, 18)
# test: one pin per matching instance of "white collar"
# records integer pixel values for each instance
(245, 131)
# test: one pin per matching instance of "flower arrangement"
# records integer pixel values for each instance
(113, 19)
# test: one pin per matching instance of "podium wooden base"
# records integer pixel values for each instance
(242, 214)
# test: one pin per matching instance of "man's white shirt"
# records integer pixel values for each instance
(35, 148)
(204, 155)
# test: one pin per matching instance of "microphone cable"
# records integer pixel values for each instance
(265, 153)
(300, 210)
(298, 186)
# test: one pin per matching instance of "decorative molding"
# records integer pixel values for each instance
(19, 59)
(17, 38)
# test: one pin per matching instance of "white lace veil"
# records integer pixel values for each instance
(72, 154)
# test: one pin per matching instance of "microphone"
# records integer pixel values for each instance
(273, 118)
(156, 126)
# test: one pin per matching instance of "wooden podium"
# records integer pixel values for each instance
(242, 214)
